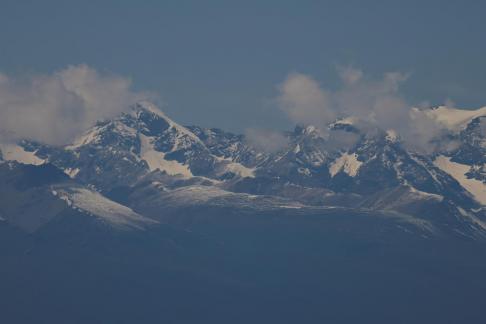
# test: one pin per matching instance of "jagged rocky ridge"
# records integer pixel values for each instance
(146, 161)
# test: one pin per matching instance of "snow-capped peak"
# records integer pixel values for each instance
(309, 130)
(453, 118)
(149, 107)
(146, 106)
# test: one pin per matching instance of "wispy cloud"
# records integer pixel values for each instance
(304, 101)
(55, 108)
(374, 102)
(266, 140)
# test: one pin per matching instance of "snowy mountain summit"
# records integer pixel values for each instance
(342, 166)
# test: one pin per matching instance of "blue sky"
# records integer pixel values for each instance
(219, 63)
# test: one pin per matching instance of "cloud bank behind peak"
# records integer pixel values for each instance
(55, 108)
(373, 102)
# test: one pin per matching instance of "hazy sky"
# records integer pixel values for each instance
(220, 63)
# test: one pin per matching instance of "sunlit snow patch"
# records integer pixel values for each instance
(348, 163)
(101, 207)
(458, 171)
(454, 119)
(13, 152)
(71, 172)
(156, 160)
(234, 167)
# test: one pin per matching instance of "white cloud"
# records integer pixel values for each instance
(266, 140)
(375, 102)
(303, 100)
(55, 108)
(349, 75)
(378, 101)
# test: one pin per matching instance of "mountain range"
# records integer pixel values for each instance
(154, 220)
(143, 160)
